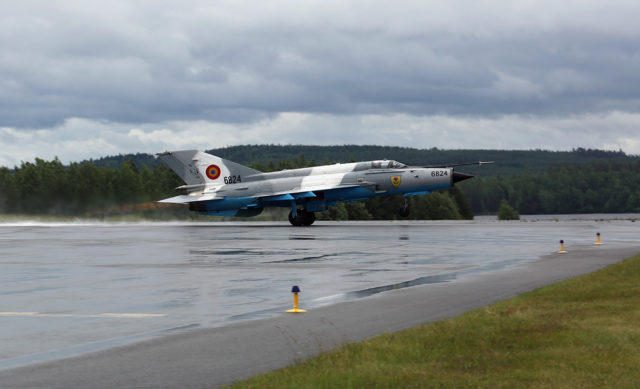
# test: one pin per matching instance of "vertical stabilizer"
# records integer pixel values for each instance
(196, 167)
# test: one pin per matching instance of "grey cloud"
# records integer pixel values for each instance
(153, 62)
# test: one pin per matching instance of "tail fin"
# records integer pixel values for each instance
(199, 168)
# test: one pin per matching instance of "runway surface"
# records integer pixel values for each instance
(452, 266)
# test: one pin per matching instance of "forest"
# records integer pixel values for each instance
(532, 182)
(599, 187)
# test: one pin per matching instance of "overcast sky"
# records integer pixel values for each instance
(88, 79)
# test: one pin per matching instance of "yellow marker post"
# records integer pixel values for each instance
(561, 247)
(295, 290)
(598, 241)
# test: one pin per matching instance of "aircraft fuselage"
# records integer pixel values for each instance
(219, 187)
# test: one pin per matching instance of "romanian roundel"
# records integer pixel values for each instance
(213, 172)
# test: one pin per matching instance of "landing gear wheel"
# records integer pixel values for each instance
(309, 218)
(303, 218)
(295, 221)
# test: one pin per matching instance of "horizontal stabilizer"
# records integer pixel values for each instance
(191, 187)
(185, 199)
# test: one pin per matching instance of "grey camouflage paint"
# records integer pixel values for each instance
(217, 184)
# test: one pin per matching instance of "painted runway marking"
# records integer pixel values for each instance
(104, 315)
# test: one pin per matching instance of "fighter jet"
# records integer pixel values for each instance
(215, 186)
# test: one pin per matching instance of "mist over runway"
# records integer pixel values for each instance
(71, 288)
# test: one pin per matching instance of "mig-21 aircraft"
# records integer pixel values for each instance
(215, 186)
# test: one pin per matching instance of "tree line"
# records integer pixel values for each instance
(50, 188)
(133, 185)
(87, 189)
(600, 187)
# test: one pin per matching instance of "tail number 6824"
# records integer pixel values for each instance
(232, 179)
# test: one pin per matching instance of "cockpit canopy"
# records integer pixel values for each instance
(387, 164)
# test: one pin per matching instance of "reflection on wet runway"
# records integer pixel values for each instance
(102, 315)
(60, 282)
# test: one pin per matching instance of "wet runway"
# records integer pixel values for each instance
(70, 288)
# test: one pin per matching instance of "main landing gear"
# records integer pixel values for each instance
(302, 218)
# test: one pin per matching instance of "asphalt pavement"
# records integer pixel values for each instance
(206, 358)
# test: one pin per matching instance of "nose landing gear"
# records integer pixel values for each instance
(404, 211)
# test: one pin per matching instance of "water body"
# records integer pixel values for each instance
(69, 288)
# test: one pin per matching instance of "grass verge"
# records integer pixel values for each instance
(580, 333)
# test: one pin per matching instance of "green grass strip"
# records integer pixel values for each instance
(580, 333)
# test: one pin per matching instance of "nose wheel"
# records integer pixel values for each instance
(302, 218)
(404, 211)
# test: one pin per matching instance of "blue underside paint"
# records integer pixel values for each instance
(312, 202)
(231, 212)
(305, 195)
(417, 190)
(316, 206)
(228, 204)
(348, 194)
(416, 193)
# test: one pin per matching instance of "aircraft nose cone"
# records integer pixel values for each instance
(457, 176)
